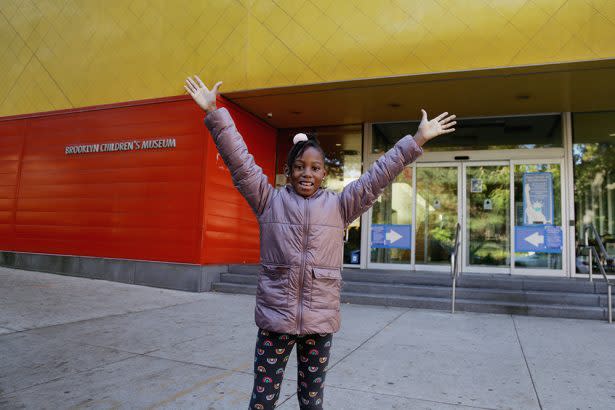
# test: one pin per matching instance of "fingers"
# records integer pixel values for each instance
(193, 84)
(448, 124)
(448, 131)
(216, 87)
(190, 87)
(449, 119)
(424, 115)
(200, 82)
(439, 117)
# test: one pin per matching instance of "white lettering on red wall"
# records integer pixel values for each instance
(121, 146)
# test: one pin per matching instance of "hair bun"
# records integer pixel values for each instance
(300, 137)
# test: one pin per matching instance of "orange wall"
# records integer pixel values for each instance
(141, 204)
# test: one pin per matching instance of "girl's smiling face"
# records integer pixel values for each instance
(307, 172)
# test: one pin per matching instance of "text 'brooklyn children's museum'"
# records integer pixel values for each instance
(121, 146)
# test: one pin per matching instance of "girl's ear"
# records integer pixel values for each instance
(286, 170)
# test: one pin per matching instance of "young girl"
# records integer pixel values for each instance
(301, 237)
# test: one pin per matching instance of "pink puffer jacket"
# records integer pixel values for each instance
(301, 239)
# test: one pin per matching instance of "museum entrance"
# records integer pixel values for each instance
(510, 214)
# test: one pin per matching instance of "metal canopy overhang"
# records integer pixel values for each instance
(577, 86)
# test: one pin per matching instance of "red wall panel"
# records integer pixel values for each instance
(11, 147)
(138, 204)
(229, 225)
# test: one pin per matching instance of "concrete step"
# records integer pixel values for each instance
(234, 288)
(244, 269)
(240, 278)
(514, 296)
(564, 311)
(523, 295)
(504, 282)
(517, 296)
(423, 302)
(467, 280)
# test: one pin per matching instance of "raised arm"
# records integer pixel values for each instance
(358, 196)
(248, 177)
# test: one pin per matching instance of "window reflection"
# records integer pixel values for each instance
(594, 179)
(527, 132)
(394, 209)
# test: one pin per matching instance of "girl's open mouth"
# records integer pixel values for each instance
(306, 184)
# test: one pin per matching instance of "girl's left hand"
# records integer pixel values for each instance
(429, 129)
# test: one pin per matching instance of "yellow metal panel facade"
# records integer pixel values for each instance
(57, 54)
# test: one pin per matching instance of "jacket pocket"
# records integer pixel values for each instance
(272, 288)
(326, 285)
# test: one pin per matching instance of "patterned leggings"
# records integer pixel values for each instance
(270, 358)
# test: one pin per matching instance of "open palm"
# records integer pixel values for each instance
(203, 96)
(429, 129)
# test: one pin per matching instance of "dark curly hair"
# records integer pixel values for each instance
(299, 148)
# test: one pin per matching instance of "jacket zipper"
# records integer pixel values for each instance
(302, 276)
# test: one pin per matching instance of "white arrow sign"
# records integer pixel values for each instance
(393, 236)
(535, 239)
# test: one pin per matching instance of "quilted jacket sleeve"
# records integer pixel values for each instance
(358, 196)
(248, 177)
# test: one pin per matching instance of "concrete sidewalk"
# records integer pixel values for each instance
(73, 343)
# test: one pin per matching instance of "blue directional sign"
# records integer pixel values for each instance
(391, 236)
(538, 238)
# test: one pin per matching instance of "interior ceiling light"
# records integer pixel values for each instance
(269, 114)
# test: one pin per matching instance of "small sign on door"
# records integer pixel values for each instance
(487, 205)
(476, 185)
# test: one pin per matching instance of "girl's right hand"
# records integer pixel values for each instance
(205, 98)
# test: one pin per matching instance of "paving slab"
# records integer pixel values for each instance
(36, 299)
(153, 329)
(462, 359)
(571, 361)
(345, 399)
(141, 382)
(28, 360)
(4, 330)
(70, 342)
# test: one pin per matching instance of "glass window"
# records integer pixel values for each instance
(538, 131)
(594, 179)
(343, 156)
(488, 215)
(391, 221)
(436, 214)
(538, 216)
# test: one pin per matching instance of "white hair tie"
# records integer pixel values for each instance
(300, 137)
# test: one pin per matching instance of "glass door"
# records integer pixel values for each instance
(510, 212)
(538, 234)
(391, 223)
(486, 222)
(437, 211)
